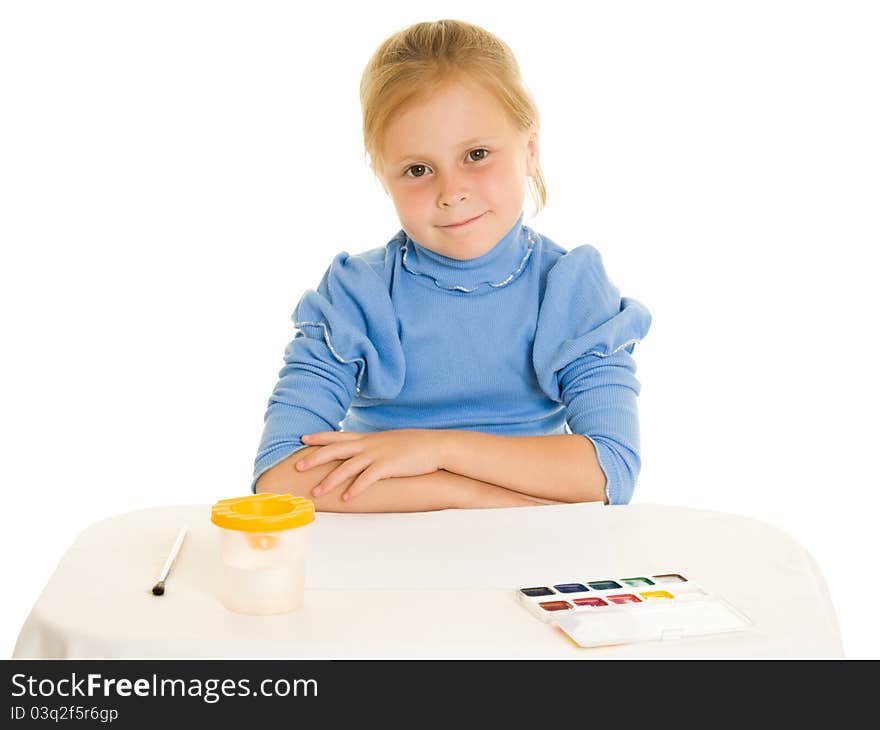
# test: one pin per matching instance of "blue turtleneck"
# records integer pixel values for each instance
(527, 339)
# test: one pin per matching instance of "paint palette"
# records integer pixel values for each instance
(627, 610)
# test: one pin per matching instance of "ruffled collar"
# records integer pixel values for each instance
(498, 267)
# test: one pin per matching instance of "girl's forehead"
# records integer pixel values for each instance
(457, 100)
(455, 115)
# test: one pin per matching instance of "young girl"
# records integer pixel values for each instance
(471, 361)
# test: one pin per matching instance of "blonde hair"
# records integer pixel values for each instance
(414, 62)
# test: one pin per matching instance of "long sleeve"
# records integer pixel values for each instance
(347, 345)
(582, 356)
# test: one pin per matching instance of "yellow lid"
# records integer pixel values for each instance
(264, 512)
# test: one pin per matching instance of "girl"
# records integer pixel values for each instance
(471, 361)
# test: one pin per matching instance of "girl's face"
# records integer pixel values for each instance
(456, 168)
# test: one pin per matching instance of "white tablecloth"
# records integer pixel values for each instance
(426, 584)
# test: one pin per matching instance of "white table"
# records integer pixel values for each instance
(427, 585)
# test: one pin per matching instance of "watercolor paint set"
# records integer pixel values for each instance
(627, 610)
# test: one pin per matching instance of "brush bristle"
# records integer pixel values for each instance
(159, 588)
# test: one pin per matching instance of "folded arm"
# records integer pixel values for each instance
(427, 492)
(560, 467)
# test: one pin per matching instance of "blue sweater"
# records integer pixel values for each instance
(527, 339)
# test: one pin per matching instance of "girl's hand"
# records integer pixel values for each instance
(371, 457)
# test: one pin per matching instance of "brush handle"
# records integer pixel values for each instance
(172, 556)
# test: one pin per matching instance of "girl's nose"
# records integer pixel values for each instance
(453, 191)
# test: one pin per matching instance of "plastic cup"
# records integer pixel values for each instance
(263, 551)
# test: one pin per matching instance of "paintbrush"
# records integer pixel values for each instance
(159, 588)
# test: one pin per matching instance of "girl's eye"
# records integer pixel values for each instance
(421, 170)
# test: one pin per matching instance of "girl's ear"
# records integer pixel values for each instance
(532, 149)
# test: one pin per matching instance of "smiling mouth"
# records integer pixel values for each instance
(465, 222)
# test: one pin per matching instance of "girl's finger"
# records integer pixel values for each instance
(327, 437)
(340, 475)
(367, 478)
(327, 453)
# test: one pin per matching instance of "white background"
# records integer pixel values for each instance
(174, 175)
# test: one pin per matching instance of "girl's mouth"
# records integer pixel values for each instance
(465, 222)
